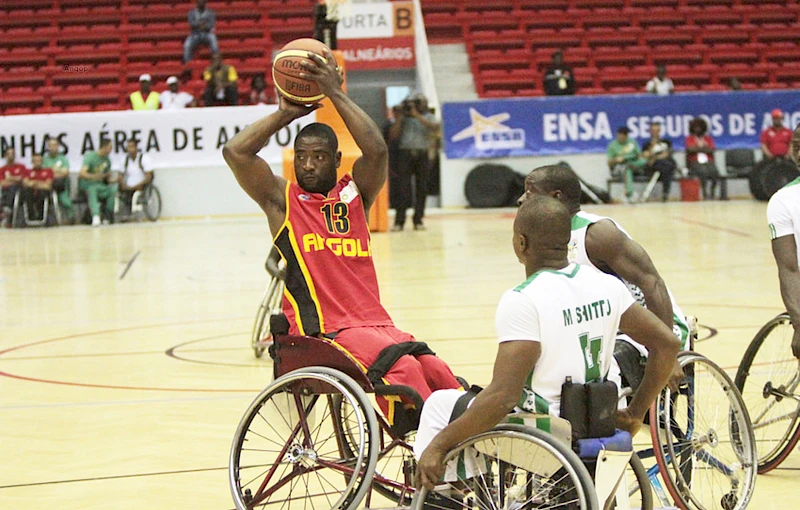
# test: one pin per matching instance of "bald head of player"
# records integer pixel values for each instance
(557, 181)
(541, 234)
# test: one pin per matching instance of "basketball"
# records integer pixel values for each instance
(286, 68)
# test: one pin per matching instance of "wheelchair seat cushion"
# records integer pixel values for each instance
(621, 441)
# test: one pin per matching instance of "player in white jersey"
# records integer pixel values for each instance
(603, 244)
(783, 215)
(561, 322)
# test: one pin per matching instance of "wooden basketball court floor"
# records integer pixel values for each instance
(125, 363)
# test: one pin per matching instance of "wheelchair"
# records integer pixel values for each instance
(768, 378)
(313, 435)
(261, 338)
(146, 202)
(20, 216)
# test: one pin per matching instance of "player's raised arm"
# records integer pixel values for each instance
(370, 170)
(253, 173)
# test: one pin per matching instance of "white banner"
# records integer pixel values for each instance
(379, 20)
(192, 137)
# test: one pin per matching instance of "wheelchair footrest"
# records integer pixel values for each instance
(621, 441)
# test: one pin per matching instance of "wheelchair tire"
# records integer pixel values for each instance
(776, 419)
(280, 453)
(713, 466)
(152, 203)
(518, 467)
(642, 485)
(270, 303)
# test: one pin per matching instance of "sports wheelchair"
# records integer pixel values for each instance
(146, 202)
(19, 216)
(261, 338)
(768, 378)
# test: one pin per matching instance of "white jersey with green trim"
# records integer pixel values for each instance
(577, 253)
(574, 314)
(783, 213)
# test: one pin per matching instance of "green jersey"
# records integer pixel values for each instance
(58, 163)
(629, 150)
(96, 163)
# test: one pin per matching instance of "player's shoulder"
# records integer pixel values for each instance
(786, 194)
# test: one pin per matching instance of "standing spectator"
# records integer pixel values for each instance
(392, 144)
(559, 79)
(258, 91)
(625, 160)
(11, 175)
(658, 152)
(660, 84)
(221, 83)
(137, 173)
(36, 186)
(775, 140)
(58, 163)
(202, 22)
(174, 99)
(144, 98)
(98, 182)
(700, 157)
(412, 130)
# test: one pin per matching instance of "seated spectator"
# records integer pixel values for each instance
(700, 157)
(145, 98)
(776, 139)
(625, 160)
(36, 186)
(658, 152)
(202, 22)
(58, 163)
(734, 83)
(137, 173)
(660, 84)
(221, 83)
(98, 182)
(258, 91)
(11, 175)
(559, 80)
(174, 99)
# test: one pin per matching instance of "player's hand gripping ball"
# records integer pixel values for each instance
(287, 67)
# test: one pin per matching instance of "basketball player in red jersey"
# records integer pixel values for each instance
(320, 227)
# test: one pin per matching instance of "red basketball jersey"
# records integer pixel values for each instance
(330, 278)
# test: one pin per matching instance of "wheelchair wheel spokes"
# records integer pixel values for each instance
(768, 379)
(707, 446)
(288, 447)
(513, 467)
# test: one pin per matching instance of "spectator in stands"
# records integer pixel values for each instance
(145, 98)
(559, 80)
(776, 139)
(625, 160)
(660, 84)
(11, 175)
(700, 157)
(202, 22)
(658, 152)
(58, 163)
(734, 83)
(412, 130)
(36, 186)
(174, 99)
(137, 173)
(98, 182)
(258, 91)
(221, 83)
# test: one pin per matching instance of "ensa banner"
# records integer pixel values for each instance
(575, 124)
(377, 35)
(192, 137)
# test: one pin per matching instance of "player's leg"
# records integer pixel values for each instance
(435, 372)
(91, 189)
(435, 416)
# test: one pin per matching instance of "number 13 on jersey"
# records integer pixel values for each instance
(336, 219)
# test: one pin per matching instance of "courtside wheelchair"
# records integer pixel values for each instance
(19, 215)
(768, 378)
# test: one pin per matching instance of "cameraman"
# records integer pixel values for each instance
(413, 131)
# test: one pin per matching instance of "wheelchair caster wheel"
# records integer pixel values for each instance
(729, 501)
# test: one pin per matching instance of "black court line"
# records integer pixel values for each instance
(113, 477)
(130, 263)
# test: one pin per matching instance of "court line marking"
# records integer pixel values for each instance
(715, 227)
(130, 263)
(114, 477)
(122, 402)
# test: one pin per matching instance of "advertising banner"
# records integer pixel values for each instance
(587, 124)
(192, 137)
(377, 35)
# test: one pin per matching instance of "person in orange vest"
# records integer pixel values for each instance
(144, 98)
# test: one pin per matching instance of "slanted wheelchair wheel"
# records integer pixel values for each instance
(513, 467)
(767, 375)
(288, 445)
(152, 203)
(703, 439)
(270, 303)
(640, 493)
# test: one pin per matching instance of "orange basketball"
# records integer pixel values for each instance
(286, 68)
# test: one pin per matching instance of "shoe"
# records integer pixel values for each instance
(95, 221)
(397, 228)
(419, 226)
(106, 222)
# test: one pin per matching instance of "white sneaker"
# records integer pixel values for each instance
(95, 221)
(106, 222)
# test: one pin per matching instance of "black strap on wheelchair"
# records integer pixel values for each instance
(631, 364)
(463, 402)
(389, 356)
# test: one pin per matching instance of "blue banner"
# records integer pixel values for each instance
(568, 125)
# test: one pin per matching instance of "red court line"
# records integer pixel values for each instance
(715, 227)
